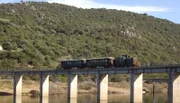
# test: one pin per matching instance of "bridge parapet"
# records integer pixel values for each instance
(124, 70)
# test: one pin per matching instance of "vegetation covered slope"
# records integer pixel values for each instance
(39, 34)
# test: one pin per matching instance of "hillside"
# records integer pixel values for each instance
(39, 34)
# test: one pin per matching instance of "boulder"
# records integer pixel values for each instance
(34, 93)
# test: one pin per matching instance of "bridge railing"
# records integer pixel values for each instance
(162, 64)
(26, 69)
(46, 69)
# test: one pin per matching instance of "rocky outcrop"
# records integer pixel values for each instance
(5, 93)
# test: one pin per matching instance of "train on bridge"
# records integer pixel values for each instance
(107, 62)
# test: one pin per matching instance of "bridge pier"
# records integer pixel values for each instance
(136, 88)
(72, 86)
(17, 99)
(173, 87)
(18, 85)
(102, 87)
(44, 88)
(17, 95)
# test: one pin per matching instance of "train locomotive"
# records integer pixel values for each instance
(108, 62)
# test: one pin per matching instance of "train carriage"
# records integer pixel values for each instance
(73, 64)
(100, 62)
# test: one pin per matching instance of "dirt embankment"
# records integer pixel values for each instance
(32, 87)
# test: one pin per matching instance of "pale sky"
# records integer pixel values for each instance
(165, 9)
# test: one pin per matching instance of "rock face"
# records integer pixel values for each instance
(1, 49)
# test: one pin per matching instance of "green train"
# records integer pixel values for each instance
(107, 62)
